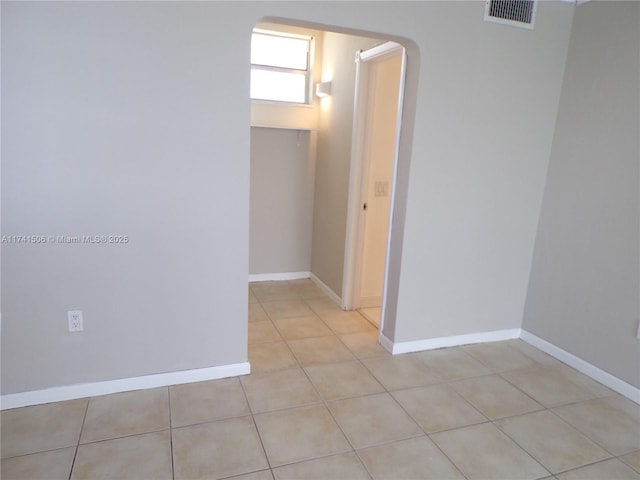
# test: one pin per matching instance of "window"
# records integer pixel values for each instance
(280, 67)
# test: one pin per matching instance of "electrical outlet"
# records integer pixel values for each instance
(76, 323)
(638, 332)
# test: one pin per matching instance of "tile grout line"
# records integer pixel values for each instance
(498, 374)
(173, 470)
(426, 434)
(323, 402)
(75, 453)
(326, 406)
(255, 425)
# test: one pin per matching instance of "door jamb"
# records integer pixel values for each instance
(355, 225)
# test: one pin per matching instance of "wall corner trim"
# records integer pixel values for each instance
(386, 343)
(330, 293)
(453, 341)
(611, 381)
(83, 390)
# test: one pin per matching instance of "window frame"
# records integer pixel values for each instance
(308, 73)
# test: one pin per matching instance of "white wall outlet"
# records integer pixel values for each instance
(76, 323)
(638, 332)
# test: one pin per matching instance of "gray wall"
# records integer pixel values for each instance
(117, 120)
(282, 178)
(133, 118)
(488, 97)
(335, 123)
(584, 288)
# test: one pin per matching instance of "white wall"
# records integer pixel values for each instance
(133, 118)
(584, 289)
(282, 178)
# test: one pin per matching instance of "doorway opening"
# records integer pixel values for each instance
(313, 194)
(377, 121)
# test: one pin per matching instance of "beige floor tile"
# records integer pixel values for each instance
(364, 344)
(494, 397)
(261, 475)
(633, 460)
(623, 404)
(343, 380)
(308, 290)
(300, 434)
(128, 413)
(265, 357)
(552, 442)
(437, 408)
(484, 452)
(252, 298)
(145, 456)
(585, 383)
(207, 401)
(41, 427)
(450, 364)
(286, 309)
(278, 390)
(323, 305)
(602, 422)
(400, 371)
(344, 466)
(608, 470)
(374, 419)
(302, 327)
(372, 314)
(416, 458)
(257, 313)
(532, 352)
(499, 356)
(273, 291)
(262, 332)
(218, 449)
(347, 322)
(299, 282)
(51, 465)
(320, 350)
(548, 386)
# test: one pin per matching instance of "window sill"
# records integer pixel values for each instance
(293, 116)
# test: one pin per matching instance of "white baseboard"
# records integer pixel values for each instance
(386, 343)
(454, 341)
(614, 383)
(269, 277)
(83, 390)
(330, 293)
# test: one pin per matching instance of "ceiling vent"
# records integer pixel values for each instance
(517, 13)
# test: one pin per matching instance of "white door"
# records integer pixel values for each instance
(379, 85)
(380, 146)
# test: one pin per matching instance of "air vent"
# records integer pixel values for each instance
(517, 13)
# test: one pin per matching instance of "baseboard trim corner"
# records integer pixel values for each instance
(322, 286)
(83, 390)
(269, 277)
(386, 343)
(590, 370)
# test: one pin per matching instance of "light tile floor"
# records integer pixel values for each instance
(326, 401)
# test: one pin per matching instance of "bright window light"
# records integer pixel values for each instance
(275, 51)
(278, 86)
(280, 67)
